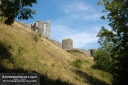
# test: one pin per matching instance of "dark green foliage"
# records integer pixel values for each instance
(11, 9)
(102, 60)
(117, 37)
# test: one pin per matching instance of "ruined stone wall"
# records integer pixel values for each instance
(34, 27)
(42, 28)
(47, 29)
(67, 43)
(83, 51)
(39, 27)
(56, 43)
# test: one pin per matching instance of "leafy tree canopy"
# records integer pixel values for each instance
(11, 9)
(117, 38)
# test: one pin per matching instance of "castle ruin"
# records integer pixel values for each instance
(67, 44)
(43, 28)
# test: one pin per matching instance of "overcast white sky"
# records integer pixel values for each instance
(76, 19)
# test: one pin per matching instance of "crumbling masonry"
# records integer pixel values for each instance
(43, 28)
(67, 44)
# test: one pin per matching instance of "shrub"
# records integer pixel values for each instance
(36, 37)
(102, 60)
(78, 63)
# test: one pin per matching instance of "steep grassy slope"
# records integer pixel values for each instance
(22, 50)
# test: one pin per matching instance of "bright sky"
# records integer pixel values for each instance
(76, 19)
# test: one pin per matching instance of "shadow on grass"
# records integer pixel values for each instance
(90, 79)
(44, 80)
(5, 54)
(4, 51)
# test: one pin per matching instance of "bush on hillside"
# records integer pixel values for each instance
(102, 60)
(36, 37)
(78, 63)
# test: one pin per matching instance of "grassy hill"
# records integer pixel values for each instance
(22, 50)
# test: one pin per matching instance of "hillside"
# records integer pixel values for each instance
(22, 50)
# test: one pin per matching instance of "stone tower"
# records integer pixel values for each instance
(67, 44)
(42, 28)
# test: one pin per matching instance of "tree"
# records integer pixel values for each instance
(102, 60)
(118, 35)
(11, 9)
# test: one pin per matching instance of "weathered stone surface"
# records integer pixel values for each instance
(42, 28)
(67, 43)
(57, 43)
(83, 51)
